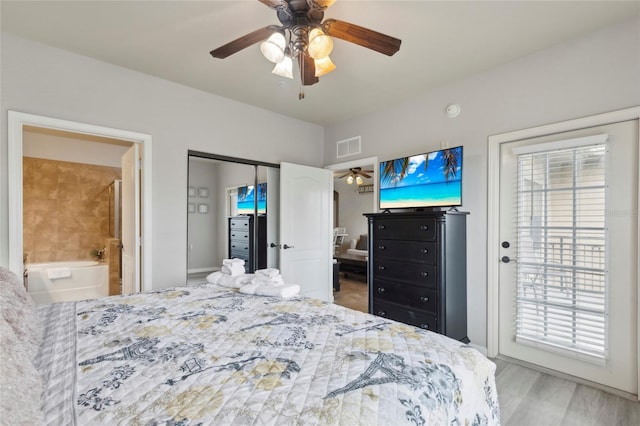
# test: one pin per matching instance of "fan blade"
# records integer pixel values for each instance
(344, 175)
(307, 70)
(243, 42)
(363, 36)
(363, 174)
(274, 4)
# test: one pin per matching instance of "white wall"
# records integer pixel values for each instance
(73, 149)
(41, 80)
(591, 75)
(351, 207)
(203, 230)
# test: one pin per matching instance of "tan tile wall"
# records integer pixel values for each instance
(66, 209)
(112, 257)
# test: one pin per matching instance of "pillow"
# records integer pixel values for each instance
(19, 312)
(362, 242)
(21, 385)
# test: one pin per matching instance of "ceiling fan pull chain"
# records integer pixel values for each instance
(301, 93)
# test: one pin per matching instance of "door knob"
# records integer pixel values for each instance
(272, 245)
(507, 259)
(287, 246)
(505, 244)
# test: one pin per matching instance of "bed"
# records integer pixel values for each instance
(210, 355)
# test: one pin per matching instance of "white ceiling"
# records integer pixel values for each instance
(441, 42)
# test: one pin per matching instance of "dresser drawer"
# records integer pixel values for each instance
(419, 229)
(239, 235)
(239, 247)
(239, 223)
(417, 273)
(408, 251)
(406, 315)
(422, 298)
(244, 255)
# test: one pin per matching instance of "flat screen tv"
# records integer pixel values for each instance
(432, 179)
(246, 199)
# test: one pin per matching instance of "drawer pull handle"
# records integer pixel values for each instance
(424, 298)
(381, 247)
(381, 268)
(382, 314)
(424, 251)
(381, 290)
(424, 228)
(424, 273)
(381, 227)
(425, 326)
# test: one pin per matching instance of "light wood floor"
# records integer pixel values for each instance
(353, 293)
(529, 397)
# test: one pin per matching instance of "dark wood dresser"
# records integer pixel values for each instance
(417, 270)
(242, 238)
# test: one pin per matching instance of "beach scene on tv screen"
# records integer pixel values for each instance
(246, 197)
(427, 180)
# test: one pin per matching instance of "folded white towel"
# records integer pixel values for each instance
(284, 291)
(233, 261)
(249, 288)
(214, 277)
(55, 273)
(234, 281)
(268, 272)
(268, 282)
(233, 269)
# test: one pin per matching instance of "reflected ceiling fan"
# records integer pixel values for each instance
(356, 174)
(305, 38)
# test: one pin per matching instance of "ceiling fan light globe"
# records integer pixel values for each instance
(320, 44)
(359, 180)
(324, 66)
(273, 47)
(284, 68)
(349, 179)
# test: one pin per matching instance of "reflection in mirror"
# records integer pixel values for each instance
(227, 215)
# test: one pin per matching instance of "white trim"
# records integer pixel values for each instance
(369, 161)
(559, 145)
(15, 122)
(493, 205)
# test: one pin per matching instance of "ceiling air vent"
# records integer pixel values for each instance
(348, 147)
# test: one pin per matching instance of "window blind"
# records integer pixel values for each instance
(561, 278)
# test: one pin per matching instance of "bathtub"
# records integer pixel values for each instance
(87, 280)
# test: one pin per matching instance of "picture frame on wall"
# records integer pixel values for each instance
(203, 192)
(203, 208)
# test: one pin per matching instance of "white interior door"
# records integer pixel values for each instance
(306, 200)
(131, 221)
(273, 213)
(569, 246)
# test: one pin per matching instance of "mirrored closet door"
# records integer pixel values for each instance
(232, 212)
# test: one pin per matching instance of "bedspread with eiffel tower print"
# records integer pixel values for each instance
(208, 355)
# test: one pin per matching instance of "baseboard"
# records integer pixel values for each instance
(201, 270)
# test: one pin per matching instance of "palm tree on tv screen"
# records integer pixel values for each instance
(395, 171)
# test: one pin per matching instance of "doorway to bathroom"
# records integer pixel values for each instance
(75, 202)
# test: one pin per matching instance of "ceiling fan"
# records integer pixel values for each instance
(356, 174)
(304, 37)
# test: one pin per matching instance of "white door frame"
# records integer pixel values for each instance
(363, 162)
(15, 124)
(493, 206)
